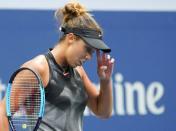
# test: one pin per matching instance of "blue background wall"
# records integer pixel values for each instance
(143, 44)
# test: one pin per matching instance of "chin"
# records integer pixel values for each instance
(73, 66)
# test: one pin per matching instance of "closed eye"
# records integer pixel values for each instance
(89, 49)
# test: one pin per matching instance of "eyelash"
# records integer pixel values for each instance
(90, 51)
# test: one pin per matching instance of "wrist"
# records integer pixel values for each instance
(105, 81)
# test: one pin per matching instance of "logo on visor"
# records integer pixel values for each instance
(100, 35)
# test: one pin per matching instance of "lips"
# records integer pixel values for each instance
(81, 63)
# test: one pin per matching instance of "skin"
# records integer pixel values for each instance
(74, 52)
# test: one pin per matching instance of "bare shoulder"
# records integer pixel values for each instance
(38, 64)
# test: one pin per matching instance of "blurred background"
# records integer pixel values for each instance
(142, 35)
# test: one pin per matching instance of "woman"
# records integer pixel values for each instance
(67, 86)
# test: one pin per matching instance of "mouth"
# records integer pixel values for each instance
(80, 63)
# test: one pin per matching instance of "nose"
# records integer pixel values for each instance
(88, 56)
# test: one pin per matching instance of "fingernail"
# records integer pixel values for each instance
(112, 60)
(104, 67)
(108, 56)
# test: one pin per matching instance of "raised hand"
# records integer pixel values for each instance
(105, 65)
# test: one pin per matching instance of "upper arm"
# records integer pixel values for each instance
(91, 90)
(39, 65)
(35, 64)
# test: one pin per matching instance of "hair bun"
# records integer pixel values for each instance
(73, 9)
(69, 11)
(74, 14)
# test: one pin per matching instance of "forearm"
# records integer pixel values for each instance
(105, 99)
(3, 123)
(4, 126)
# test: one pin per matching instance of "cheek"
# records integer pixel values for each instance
(77, 55)
(73, 55)
(77, 51)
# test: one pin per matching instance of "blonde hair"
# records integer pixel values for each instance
(75, 15)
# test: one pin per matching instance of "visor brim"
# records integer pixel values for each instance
(97, 44)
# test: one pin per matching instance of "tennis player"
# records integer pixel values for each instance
(68, 89)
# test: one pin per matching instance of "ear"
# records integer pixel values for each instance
(70, 38)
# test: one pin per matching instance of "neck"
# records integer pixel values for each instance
(59, 55)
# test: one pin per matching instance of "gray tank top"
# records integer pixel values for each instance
(66, 99)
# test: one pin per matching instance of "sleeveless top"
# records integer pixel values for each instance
(66, 99)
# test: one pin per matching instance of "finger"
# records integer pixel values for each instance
(98, 57)
(108, 57)
(103, 68)
(107, 61)
(112, 60)
(110, 65)
(104, 58)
